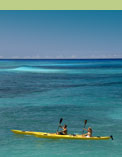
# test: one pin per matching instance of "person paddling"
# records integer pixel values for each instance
(89, 133)
(64, 131)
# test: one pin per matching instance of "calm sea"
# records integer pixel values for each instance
(35, 94)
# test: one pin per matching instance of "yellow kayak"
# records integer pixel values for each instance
(25, 132)
(55, 136)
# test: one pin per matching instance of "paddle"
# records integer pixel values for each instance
(61, 119)
(111, 137)
(85, 122)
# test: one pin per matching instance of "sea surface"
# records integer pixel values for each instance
(35, 94)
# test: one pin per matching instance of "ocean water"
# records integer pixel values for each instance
(35, 94)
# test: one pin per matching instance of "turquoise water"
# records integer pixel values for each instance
(35, 94)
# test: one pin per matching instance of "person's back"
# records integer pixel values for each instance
(89, 133)
(64, 131)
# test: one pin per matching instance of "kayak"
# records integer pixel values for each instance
(55, 136)
(75, 137)
(25, 132)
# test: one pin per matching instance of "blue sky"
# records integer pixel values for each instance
(61, 34)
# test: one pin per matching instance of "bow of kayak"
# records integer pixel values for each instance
(55, 136)
(24, 132)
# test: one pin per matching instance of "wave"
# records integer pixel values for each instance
(34, 69)
(30, 69)
(39, 69)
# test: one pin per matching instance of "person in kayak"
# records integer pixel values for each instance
(89, 133)
(64, 131)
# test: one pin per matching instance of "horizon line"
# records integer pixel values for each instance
(54, 58)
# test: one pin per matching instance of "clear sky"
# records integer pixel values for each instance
(61, 34)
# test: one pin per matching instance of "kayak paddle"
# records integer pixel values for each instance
(61, 119)
(85, 122)
(111, 137)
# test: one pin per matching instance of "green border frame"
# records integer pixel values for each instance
(60, 4)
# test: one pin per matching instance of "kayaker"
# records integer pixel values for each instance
(64, 131)
(89, 133)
